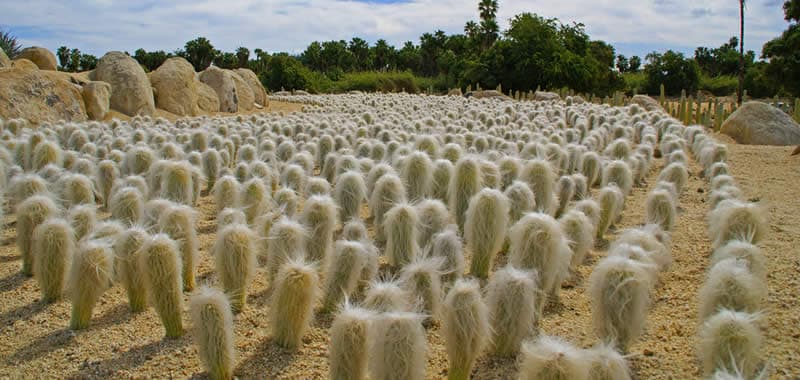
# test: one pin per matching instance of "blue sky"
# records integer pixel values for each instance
(632, 26)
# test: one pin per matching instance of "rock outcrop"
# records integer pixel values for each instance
(646, 102)
(97, 98)
(4, 61)
(259, 93)
(544, 96)
(176, 87)
(757, 123)
(38, 95)
(246, 97)
(207, 99)
(224, 85)
(131, 93)
(43, 58)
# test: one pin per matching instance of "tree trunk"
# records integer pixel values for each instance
(741, 53)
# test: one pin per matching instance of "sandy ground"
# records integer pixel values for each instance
(37, 344)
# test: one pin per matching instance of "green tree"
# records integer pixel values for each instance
(312, 57)
(740, 91)
(199, 52)
(9, 43)
(74, 60)
(359, 49)
(622, 64)
(408, 58)
(88, 62)
(783, 52)
(288, 73)
(673, 70)
(490, 30)
(634, 64)
(242, 57)
(151, 60)
(226, 60)
(63, 57)
(383, 56)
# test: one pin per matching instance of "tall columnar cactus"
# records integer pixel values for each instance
(89, 277)
(179, 223)
(160, 262)
(417, 173)
(107, 173)
(212, 321)
(129, 268)
(398, 347)
(254, 199)
(235, 260)
(30, 214)
(540, 177)
(342, 278)
(295, 292)
(389, 191)
(465, 183)
(730, 285)
(319, 219)
(127, 206)
(226, 192)
(349, 347)
(400, 228)
(53, 249)
(465, 324)
(287, 242)
(485, 229)
(511, 297)
(731, 341)
(552, 358)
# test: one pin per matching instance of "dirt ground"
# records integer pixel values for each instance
(36, 342)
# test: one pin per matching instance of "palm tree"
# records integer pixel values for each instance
(9, 44)
(741, 53)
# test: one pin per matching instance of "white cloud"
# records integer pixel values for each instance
(97, 26)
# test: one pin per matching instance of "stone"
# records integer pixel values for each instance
(544, 96)
(486, 94)
(25, 64)
(175, 87)
(43, 58)
(97, 98)
(224, 85)
(259, 93)
(645, 102)
(4, 61)
(455, 92)
(38, 95)
(207, 99)
(757, 123)
(131, 93)
(246, 96)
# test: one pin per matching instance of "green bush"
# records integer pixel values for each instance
(635, 82)
(674, 71)
(375, 81)
(722, 85)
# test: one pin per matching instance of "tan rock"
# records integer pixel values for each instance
(646, 102)
(757, 123)
(131, 93)
(455, 92)
(4, 61)
(25, 64)
(38, 95)
(97, 98)
(207, 99)
(544, 96)
(259, 93)
(243, 91)
(224, 85)
(43, 58)
(175, 87)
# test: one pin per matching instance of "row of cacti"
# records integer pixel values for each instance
(519, 178)
(732, 295)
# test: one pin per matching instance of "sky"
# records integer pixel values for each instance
(633, 27)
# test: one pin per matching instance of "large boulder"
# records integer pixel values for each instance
(131, 93)
(757, 123)
(43, 58)
(97, 98)
(259, 93)
(544, 96)
(645, 102)
(246, 97)
(487, 94)
(39, 96)
(176, 87)
(207, 99)
(224, 85)
(4, 61)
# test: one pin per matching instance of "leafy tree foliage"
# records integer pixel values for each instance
(199, 52)
(9, 43)
(151, 60)
(784, 52)
(673, 70)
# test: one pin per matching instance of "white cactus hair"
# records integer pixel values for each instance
(400, 227)
(433, 218)
(731, 285)
(541, 178)
(421, 279)
(350, 193)
(537, 242)
(398, 347)
(579, 231)
(520, 199)
(511, 299)
(226, 192)
(213, 325)
(660, 209)
(485, 229)
(348, 352)
(386, 296)
(448, 245)
(342, 276)
(417, 174)
(551, 358)
(731, 340)
(606, 363)
(620, 292)
(465, 327)
(737, 220)
(742, 250)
